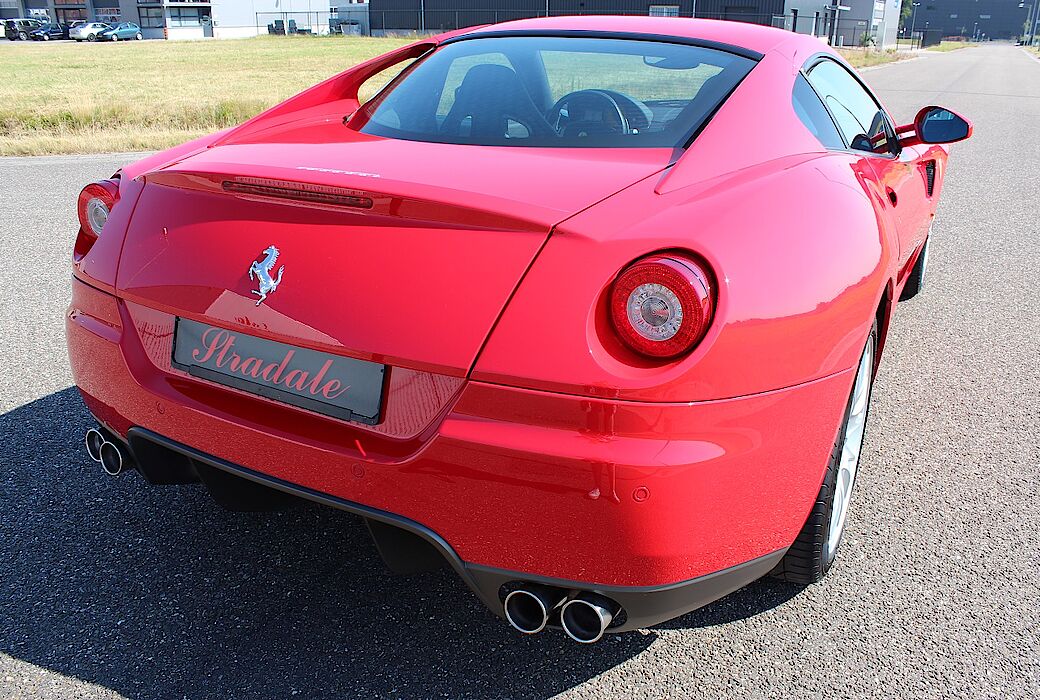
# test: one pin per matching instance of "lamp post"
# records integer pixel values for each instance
(913, 21)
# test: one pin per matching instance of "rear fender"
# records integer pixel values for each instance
(97, 267)
(338, 94)
(799, 259)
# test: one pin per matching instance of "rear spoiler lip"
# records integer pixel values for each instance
(388, 198)
(481, 33)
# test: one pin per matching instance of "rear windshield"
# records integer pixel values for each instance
(556, 92)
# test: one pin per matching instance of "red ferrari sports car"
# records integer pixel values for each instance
(588, 308)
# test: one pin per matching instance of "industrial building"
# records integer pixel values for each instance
(989, 19)
(857, 23)
(853, 23)
(186, 19)
(438, 15)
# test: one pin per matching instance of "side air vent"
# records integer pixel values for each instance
(929, 176)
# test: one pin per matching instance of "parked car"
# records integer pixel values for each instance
(121, 32)
(50, 31)
(589, 307)
(88, 31)
(20, 29)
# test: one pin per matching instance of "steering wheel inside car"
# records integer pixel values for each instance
(585, 113)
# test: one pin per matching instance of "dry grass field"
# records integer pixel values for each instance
(944, 46)
(864, 58)
(68, 97)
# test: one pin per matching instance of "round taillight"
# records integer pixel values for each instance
(661, 305)
(95, 203)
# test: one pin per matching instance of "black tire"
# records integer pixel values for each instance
(915, 280)
(91, 37)
(138, 37)
(22, 36)
(807, 560)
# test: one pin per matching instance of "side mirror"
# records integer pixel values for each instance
(935, 125)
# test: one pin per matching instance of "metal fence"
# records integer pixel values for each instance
(442, 20)
(293, 22)
(361, 19)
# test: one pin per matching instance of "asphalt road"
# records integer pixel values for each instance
(111, 588)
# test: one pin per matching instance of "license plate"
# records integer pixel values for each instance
(341, 387)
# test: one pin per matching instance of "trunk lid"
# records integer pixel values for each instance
(413, 275)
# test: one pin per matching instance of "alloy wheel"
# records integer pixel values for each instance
(852, 444)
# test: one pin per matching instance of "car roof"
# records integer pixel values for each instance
(749, 36)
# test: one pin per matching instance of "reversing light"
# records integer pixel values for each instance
(95, 204)
(662, 305)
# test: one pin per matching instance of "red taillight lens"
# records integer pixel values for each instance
(95, 204)
(661, 305)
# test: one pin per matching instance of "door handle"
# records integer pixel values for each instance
(892, 196)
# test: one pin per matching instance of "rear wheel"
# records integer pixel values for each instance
(138, 37)
(813, 552)
(23, 36)
(92, 37)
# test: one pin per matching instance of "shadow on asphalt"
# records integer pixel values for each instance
(158, 592)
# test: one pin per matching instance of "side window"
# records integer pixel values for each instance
(812, 113)
(860, 119)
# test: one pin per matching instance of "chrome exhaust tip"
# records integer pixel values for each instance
(111, 458)
(110, 455)
(94, 440)
(528, 609)
(586, 617)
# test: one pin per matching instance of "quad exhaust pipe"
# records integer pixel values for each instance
(584, 616)
(529, 608)
(107, 453)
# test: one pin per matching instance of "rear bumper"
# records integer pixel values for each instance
(664, 507)
(643, 606)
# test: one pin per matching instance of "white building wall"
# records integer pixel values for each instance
(241, 18)
(184, 32)
(888, 37)
(222, 31)
(861, 17)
